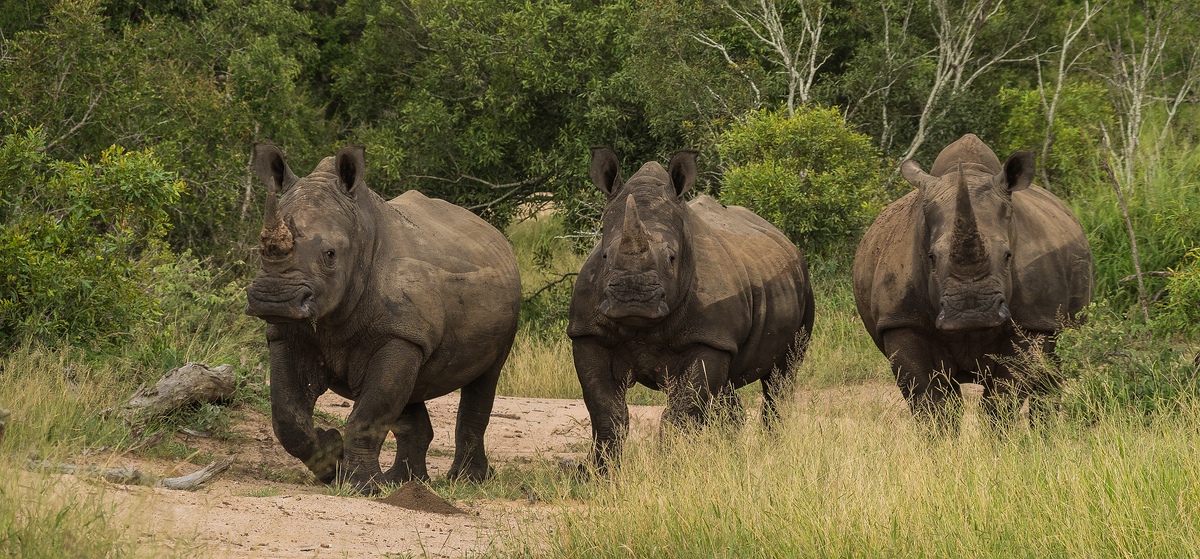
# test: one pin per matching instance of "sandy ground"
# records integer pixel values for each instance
(266, 505)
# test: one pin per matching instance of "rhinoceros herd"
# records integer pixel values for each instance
(392, 303)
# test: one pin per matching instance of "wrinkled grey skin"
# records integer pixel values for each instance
(947, 274)
(695, 299)
(388, 304)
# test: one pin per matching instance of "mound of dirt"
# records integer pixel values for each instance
(415, 496)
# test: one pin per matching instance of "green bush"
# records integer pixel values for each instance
(1113, 364)
(78, 239)
(1162, 205)
(1180, 309)
(1074, 157)
(810, 175)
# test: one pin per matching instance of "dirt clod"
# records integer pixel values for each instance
(415, 496)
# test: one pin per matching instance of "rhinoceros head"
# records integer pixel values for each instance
(643, 243)
(967, 211)
(308, 237)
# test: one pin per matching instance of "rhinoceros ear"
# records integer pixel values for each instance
(272, 169)
(605, 169)
(911, 171)
(350, 163)
(682, 170)
(1018, 171)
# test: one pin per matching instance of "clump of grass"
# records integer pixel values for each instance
(862, 482)
(40, 517)
(55, 397)
(539, 367)
(536, 481)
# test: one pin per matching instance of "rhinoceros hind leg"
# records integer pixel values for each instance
(933, 395)
(727, 409)
(474, 413)
(413, 433)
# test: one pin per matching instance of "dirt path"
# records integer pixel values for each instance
(263, 507)
(266, 505)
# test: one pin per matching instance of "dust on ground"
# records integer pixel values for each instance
(267, 505)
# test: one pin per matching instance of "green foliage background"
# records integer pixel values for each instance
(128, 127)
(811, 175)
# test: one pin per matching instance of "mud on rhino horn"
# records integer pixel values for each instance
(276, 237)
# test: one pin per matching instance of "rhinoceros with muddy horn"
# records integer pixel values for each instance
(693, 298)
(962, 278)
(387, 303)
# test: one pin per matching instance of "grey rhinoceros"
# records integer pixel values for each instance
(387, 303)
(693, 298)
(959, 277)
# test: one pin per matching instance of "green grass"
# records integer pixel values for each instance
(41, 517)
(840, 351)
(848, 479)
(55, 397)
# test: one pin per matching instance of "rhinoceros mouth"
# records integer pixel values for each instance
(280, 305)
(988, 313)
(635, 298)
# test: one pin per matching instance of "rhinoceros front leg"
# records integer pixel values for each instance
(934, 397)
(700, 390)
(604, 396)
(295, 385)
(387, 385)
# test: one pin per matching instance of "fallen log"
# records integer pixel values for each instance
(190, 384)
(134, 476)
(198, 477)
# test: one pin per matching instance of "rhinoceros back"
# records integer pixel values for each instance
(454, 280)
(753, 291)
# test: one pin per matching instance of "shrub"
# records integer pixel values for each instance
(1113, 364)
(77, 239)
(810, 175)
(1073, 160)
(1181, 306)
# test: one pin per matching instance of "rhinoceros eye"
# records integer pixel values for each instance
(327, 257)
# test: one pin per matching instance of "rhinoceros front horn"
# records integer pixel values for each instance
(966, 248)
(634, 239)
(276, 237)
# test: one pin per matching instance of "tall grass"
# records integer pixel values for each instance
(55, 397)
(1162, 206)
(850, 478)
(840, 350)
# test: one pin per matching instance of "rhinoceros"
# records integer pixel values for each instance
(696, 299)
(960, 279)
(387, 303)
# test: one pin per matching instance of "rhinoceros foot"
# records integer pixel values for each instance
(328, 458)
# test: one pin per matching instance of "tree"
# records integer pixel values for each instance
(800, 54)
